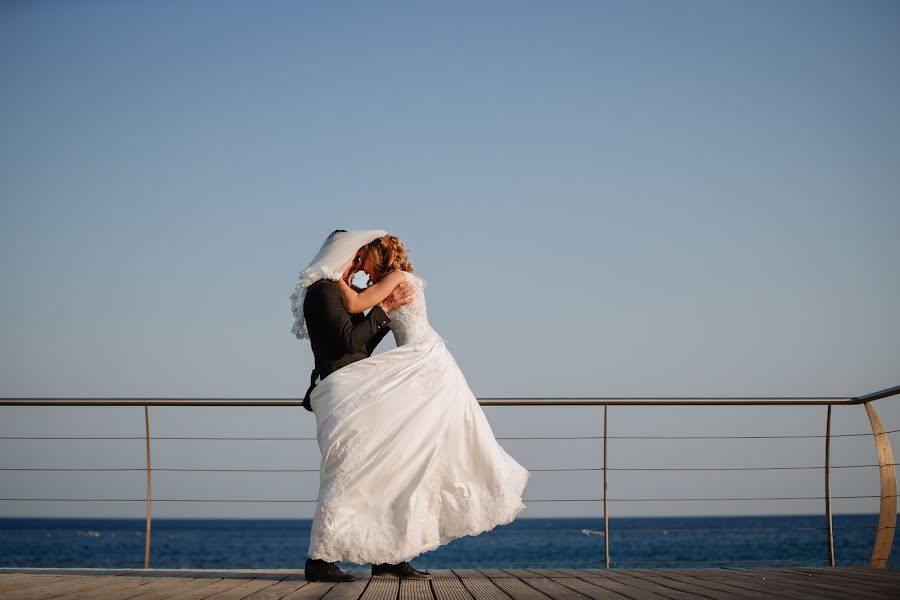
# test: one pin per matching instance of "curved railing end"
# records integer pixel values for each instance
(891, 391)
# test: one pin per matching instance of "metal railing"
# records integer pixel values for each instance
(881, 549)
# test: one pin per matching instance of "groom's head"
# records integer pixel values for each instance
(357, 260)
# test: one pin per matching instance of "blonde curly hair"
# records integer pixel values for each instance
(386, 254)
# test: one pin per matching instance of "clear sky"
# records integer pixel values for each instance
(607, 199)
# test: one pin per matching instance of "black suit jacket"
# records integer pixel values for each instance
(337, 337)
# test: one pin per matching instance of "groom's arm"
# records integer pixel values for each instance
(379, 335)
(355, 333)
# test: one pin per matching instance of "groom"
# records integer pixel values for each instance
(338, 339)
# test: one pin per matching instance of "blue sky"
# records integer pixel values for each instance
(607, 198)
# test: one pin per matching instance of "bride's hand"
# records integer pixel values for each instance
(402, 294)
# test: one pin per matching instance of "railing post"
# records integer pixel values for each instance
(828, 523)
(605, 484)
(887, 520)
(149, 495)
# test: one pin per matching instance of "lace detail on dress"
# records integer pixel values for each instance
(429, 381)
(497, 504)
(409, 323)
(324, 543)
(332, 494)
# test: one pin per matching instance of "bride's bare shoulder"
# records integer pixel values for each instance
(393, 279)
(405, 277)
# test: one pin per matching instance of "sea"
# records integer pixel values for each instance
(647, 542)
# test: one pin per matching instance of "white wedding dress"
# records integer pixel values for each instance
(409, 461)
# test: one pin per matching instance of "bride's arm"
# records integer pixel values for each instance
(357, 302)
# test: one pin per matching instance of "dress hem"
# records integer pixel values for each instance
(442, 541)
(427, 548)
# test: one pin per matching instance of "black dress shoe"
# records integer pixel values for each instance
(321, 570)
(403, 570)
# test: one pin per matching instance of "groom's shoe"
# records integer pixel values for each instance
(403, 570)
(319, 570)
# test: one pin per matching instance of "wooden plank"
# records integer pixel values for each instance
(14, 576)
(494, 573)
(615, 591)
(67, 585)
(872, 577)
(549, 573)
(286, 585)
(518, 589)
(835, 585)
(445, 585)
(216, 587)
(555, 590)
(890, 574)
(483, 588)
(180, 590)
(465, 573)
(150, 584)
(614, 582)
(838, 577)
(571, 572)
(314, 590)
(103, 587)
(23, 580)
(244, 588)
(525, 573)
(786, 589)
(360, 572)
(661, 586)
(382, 587)
(415, 589)
(715, 588)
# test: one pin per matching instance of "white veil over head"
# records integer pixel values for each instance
(333, 257)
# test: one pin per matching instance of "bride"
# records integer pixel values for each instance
(409, 460)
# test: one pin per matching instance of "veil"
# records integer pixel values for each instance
(333, 257)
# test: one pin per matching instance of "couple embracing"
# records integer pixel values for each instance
(409, 461)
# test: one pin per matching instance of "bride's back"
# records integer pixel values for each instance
(410, 321)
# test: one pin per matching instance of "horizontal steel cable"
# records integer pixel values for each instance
(74, 469)
(736, 499)
(287, 531)
(740, 468)
(182, 563)
(527, 562)
(486, 564)
(586, 437)
(153, 437)
(702, 562)
(81, 563)
(524, 499)
(535, 564)
(248, 531)
(87, 563)
(316, 470)
(735, 437)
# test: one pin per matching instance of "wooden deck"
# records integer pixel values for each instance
(455, 584)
